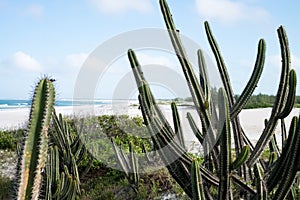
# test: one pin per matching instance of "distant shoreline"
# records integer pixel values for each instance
(252, 120)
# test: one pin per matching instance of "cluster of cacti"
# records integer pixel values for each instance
(49, 156)
(248, 176)
(33, 155)
(128, 164)
(66, 152)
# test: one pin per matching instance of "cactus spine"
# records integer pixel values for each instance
(34, 153)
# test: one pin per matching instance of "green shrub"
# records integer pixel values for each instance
(5, 184)
(10, 138)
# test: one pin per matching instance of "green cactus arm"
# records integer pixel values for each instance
(134, 164)
(145, 152)
(79, 151)
(281, 96)
(291, 95)
(197, 185)
(194, 86)
(274, 146)
(194, 127)
(68, 185)
(149, 102)
(48, 192)
(281, 164)
(208, 176)
(272, 159)
(58, 137)
(280, 99)
(121, 160)
(34, 155)
(283, 132)
(63, 182)
(262, 142)
(262, 193)
(176, 167)
(204, 81)
(158, 122)
(237, 130)
(182, 175)
(177, 125)
(290, 171)
(73, 193)
(70, 152)
(242, 158)
(225, 146)
(243, 185)
(52, 170)
(166, 135)
(200, 137)
(75, 174)
(220, 63)
(251, 85)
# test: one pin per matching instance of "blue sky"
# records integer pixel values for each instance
(56, 37)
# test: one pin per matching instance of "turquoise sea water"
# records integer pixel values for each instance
(15, 104)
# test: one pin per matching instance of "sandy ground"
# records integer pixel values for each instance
(252, 120)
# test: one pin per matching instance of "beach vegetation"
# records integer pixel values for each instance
(5, 186)
(10, 138)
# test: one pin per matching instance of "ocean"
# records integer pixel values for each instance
(15, 104)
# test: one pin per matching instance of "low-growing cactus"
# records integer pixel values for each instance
(247, 176)
(128, 164)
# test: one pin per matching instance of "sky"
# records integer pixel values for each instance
(56, 38)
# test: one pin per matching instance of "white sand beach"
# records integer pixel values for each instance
(252, 120)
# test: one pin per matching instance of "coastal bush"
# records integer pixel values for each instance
(108, 124)
(7, 140)
(112, 184)
(5, 186)
(10, 138)
(97, 132)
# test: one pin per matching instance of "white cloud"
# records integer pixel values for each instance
(228, 12)
(35, 10)
(122, 6)
(24, 61)
(146, 59)
(76, 60)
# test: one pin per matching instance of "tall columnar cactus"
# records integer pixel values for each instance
(270, 179)
(33, 156)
